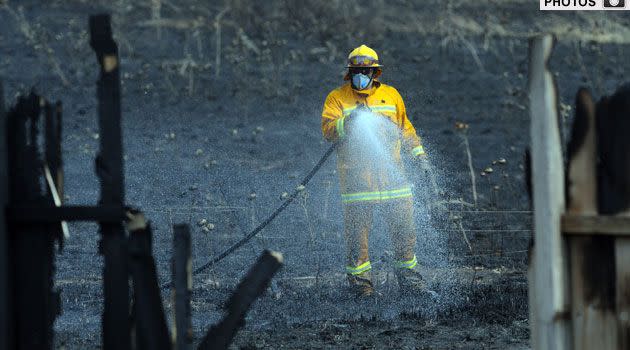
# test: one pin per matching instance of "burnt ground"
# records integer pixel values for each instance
(198, 143)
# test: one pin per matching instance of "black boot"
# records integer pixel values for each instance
(410, 281)
(361, 284)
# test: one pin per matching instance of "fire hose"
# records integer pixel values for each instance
(269, 219)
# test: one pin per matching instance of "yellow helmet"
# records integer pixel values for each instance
(363, 56)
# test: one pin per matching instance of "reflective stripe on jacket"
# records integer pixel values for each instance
(361, 182)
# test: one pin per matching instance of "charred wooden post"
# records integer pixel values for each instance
(181, 288)
(599, 183)
(250, 287)
(613, 151)
(53, 144)
(592, 258)
(109, 168)
(548, 293)
(5, 285)
(31, 250)
(53, 171)
(150, 327)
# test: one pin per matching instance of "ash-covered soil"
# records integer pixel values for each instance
(201, 136)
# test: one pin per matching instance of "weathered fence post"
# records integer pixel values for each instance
(613, 153)
(251, 286)
(52, 135)
(53, 169)
(622, 302)
(31, 243)
(109, 168)
(548, 277)
(150, 327)
(181, 288)
(5, 285)
(592, 267)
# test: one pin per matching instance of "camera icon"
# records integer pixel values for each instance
(614, 3)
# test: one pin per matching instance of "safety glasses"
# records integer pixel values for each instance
(363, 70)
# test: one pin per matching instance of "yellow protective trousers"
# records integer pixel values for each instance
(398, 214)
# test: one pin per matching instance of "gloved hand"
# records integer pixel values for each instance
(423, 163)
(361, 108)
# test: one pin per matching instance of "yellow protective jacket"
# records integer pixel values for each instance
(364, 180)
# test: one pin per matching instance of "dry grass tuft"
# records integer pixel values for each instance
(36, 38)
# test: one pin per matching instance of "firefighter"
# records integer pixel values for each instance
(369, 121)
